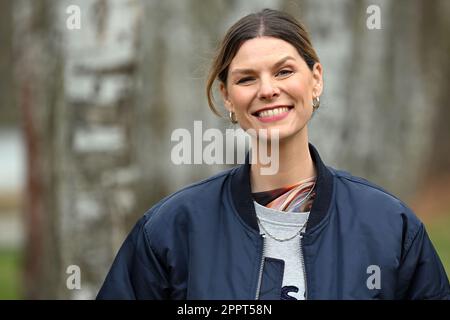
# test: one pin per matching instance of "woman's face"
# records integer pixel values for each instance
(269, 86)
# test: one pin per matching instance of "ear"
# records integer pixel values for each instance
(226, 100)
(317, 74)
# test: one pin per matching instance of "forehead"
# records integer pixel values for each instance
(263, 50)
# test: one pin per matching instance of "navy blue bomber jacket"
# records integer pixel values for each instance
(203, 242)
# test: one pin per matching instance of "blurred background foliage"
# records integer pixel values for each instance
(87, 115)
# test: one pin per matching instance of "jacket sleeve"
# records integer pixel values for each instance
(421, 271)
(136, 273)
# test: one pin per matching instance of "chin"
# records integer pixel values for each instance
(267, 133)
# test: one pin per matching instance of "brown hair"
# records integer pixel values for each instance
(268, 22)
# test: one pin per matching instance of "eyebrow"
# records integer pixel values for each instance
(277, 64)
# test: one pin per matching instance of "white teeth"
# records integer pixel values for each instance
(273, 112)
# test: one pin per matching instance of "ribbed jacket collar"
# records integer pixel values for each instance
(241, 192)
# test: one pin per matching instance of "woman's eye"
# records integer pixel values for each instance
(244, 80)
(284, 72)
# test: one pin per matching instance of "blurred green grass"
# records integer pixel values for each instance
(439, 231)
(10, 273)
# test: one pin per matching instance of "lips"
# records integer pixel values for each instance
(272, 111)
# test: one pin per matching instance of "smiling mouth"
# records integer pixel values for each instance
(268, 113)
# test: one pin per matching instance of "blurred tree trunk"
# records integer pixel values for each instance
(434, 187)
(8, 114)
(76, 94)
(36, 69)
(435, 56)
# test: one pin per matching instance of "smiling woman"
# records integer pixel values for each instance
(308, 231)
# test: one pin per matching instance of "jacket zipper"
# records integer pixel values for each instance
(303, 265)
(261, 267)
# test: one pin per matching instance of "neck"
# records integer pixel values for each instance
(295, 164)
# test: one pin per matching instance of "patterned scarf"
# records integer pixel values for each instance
(290, 198)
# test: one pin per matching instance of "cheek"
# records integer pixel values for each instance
(299, 91)
(241, 98)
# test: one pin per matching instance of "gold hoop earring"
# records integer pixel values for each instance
(232, 117)
(316, 103)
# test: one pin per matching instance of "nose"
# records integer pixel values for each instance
(268, 90)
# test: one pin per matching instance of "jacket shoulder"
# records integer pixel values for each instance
(367, 193)
(373, 206)
(362, 185)
(193, 198)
